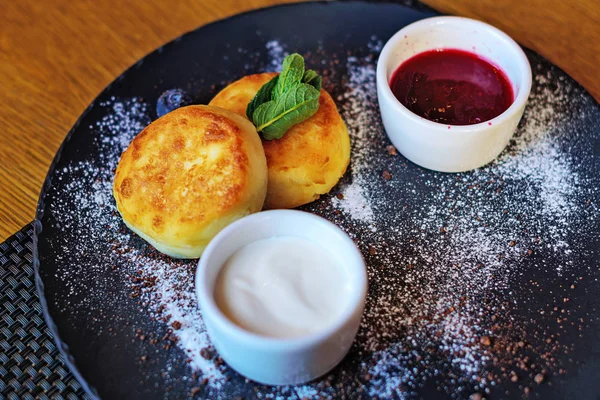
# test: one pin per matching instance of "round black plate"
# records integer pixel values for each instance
(480, 282)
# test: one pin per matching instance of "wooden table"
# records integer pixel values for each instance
(57, 55)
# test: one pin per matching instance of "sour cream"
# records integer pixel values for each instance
(283, 287)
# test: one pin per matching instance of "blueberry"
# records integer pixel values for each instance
(171, 100)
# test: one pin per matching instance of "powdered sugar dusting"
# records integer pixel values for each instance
(448, 247)
(276, 55)
(358, 110)
(443, 250)
(165, 286)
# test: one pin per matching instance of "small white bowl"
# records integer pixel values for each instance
(276, 361)
(441, 147)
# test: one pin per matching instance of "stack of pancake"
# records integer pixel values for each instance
(197, 169)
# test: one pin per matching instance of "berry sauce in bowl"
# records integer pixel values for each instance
(451, 92)
(452, 86)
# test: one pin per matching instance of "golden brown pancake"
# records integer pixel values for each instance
(188, 175)
(312, 156)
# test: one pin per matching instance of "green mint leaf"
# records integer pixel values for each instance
(291, 74)
(286, 100)
(312, 79)
(262, 96)
(275, 117)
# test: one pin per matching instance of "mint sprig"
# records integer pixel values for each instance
(291, 74)
(274, 118)
(263, 95)
(286, 100)
(312, 79)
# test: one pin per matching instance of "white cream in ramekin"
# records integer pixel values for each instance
(276, 360)
(433, 145)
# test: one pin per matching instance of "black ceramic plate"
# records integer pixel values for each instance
(481, 282)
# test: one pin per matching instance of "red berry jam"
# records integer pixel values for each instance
(452, 87)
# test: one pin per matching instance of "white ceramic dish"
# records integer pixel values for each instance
(443, 147)
(276, 361)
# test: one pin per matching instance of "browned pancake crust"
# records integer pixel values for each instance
(187, 170)
(309, 160)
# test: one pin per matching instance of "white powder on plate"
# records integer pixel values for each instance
(441, 267)
(442, 249)
(276, 55)
(165, 285)
(359, 111)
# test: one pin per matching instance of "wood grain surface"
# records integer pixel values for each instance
(57, 55)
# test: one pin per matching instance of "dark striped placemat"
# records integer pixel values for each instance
(30, 365)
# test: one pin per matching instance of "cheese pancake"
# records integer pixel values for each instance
(189, 174)
(312, 156)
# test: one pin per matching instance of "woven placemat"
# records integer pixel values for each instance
(30, 365)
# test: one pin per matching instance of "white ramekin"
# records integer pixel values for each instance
(276, 361)
(441, 147)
